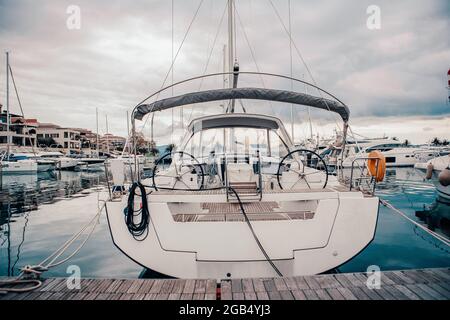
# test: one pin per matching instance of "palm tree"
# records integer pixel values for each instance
(436, 142)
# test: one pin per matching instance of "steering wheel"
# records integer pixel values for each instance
(304, 165)
(174, 166)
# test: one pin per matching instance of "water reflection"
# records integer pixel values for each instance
(20, 195)
(437, 216)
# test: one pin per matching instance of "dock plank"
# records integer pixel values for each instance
(189, 286)
(178, 286)
(211, 287)
(225, 291)
(407, 292)
(167, 286)
(250, 296)
(200, 286)
(346, 293)
(299, 295)
(247, 286)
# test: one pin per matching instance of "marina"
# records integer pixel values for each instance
(33, 207)
(224, 183)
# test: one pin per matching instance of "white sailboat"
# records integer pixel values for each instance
(7, 166)
(211, 211)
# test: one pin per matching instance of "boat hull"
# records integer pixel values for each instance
(19, 167)
(443, 192)
(342, 227)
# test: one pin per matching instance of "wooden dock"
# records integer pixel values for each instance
(426, 284)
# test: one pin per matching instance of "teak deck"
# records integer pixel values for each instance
(427, 284)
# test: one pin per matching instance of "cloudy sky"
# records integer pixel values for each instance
(393, 79)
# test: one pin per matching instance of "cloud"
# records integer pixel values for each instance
(123, 51)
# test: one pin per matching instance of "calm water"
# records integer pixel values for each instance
(46, 210)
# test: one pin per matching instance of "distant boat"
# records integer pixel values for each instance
(63, 162)
(395, 152)
(90, 161)
(43, 165)
(19, 167)
(8, 165)
(433, 168)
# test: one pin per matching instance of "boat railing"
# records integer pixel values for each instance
(363, 180)
(226, 178)
(260, 180)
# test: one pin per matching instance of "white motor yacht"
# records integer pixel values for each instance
(18, 167)
(43, 165)
(63, 162)
(438, 171)
(395, 152)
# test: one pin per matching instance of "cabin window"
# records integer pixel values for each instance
(390, 159)
(238, 141)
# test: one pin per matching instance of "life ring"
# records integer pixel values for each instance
(377, 156)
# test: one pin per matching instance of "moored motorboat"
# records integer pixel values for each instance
(397, 154)
(63, 162)
(438, 171)
(18, 167)
(43, 165)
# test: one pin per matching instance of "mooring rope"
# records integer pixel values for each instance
(430, 232)
(50, 261)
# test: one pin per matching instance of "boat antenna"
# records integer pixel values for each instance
(96, 135)
(233, 64)
(292, 71)
(107, 133)
(172, 70)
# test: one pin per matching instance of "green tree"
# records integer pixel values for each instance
(170, 148)
(436, 142)
(46, 142)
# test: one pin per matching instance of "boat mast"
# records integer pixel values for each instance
(96, 136)
(224, 70)
(107, 132)
(309, 113)
(233, 65)
(128, 134)
(8, 139)
(230, 41)
(292, 73)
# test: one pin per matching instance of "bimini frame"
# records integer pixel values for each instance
(290, 97)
